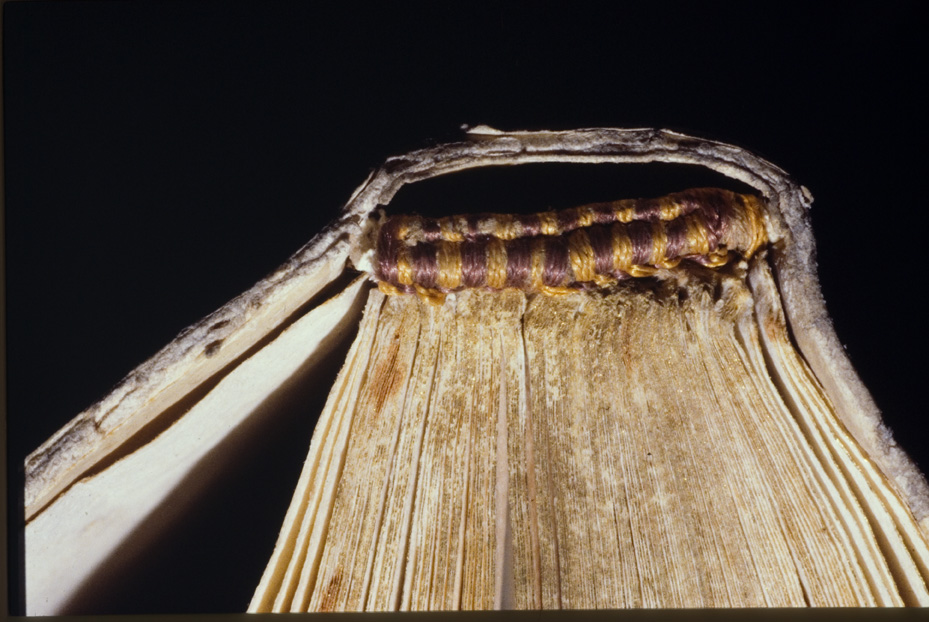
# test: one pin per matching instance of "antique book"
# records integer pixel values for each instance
(639, 402)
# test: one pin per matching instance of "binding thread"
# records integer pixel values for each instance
(553, 252)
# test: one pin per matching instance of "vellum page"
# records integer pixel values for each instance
(641, 446)
(101, 520)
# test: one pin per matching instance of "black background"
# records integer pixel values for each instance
(162, 157)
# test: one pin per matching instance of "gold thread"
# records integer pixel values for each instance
(668, 263)
(403, 226)
(409, 228)
(624, 211)
(496, 264)
(698, 242)
(581, 256)
(487, 225)
(388, 289)
(638, 271)
(432, 296)
(755, 210)
(586, 216)
(548, 222)
(669, 208)
(717, 258)
(507, 228)
(461, 226)
(404, 266)
(554, 290)
(622, 248)
(448, 259)
(448, 229)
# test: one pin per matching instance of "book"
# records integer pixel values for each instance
(638, 403)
